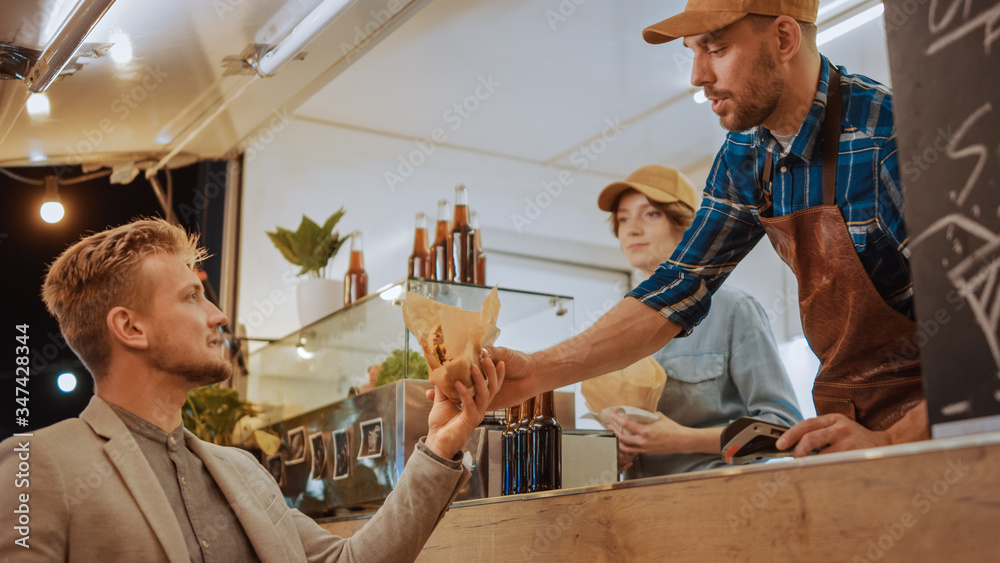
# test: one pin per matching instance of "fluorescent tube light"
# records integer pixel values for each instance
(849, 24)
(830, 6)
(64, 45)
(300, 36)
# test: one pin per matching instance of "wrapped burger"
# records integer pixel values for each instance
(452, 338)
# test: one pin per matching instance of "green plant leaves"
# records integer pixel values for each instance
(211, 413)
(311, 246)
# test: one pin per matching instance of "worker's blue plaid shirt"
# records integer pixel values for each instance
(727, 225)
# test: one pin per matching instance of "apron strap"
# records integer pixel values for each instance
(831, 136)
(768, 171)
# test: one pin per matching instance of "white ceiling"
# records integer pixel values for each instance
(561, 72)
(562, 79)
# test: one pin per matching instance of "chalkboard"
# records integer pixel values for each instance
(945, 61)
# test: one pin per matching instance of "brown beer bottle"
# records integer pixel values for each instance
(522, 479)
(462, 258)
(439, 252)
(355, 280)
(480, 273)
(420, 260)
(508, 442)
(546, 446)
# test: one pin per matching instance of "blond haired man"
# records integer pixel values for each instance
(810, 162)
(126, 481)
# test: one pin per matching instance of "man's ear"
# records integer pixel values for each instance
(789, 37)
(127, 329)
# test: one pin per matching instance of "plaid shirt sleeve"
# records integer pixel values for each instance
(890, 198)
(724, 231)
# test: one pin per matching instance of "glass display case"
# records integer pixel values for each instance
(321, 363)
(344, 445)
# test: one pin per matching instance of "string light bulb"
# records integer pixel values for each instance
(52, 209)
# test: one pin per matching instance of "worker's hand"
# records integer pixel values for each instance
(625, 460)
(448, 427)
(520, 382)
(830, 433)
(661, 437)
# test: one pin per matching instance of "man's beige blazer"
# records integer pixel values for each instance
(93, 497)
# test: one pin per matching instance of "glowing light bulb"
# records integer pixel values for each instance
(66, 382)
(52, 212)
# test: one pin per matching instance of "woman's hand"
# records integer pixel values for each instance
(662, 437)
(448, 427)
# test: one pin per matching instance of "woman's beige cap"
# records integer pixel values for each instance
(703, 16)
(659, 183)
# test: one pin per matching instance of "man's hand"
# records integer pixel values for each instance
(520, 383)
(830, 433)
(448, 427)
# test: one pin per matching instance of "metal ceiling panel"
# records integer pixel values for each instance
(175, 94)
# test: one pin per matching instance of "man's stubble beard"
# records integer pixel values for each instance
(760, 98)
(196, 374)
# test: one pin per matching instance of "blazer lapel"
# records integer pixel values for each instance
(247, 506)
(138, 476)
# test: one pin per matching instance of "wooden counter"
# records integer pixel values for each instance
(931, 501)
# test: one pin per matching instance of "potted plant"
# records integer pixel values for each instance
(211, 413)
(311, 247)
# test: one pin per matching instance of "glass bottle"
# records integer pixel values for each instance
(480, 273)
(420, 259)
(508, 441)
(356, 279)
(546, 445)
(462, 258)
(523, 446)
(439, 252)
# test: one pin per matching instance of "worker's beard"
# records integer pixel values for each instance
(758, 100)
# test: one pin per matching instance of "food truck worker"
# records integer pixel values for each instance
(810, 162)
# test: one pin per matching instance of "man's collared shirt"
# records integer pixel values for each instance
(727, 225)
(210, 528)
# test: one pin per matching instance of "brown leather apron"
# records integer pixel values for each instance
(868, 370)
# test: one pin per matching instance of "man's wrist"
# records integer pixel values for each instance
(435, 445)
(433, 448)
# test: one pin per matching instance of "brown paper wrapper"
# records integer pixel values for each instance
(638, 385)
(465, 333)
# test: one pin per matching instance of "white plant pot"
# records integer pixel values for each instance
(317, 298)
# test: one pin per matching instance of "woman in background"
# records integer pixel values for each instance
(727, 368)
